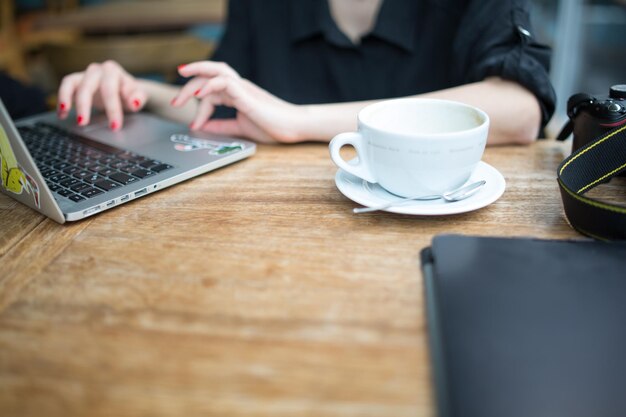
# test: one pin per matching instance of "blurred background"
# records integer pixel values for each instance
(42, 40)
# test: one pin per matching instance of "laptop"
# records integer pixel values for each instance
(69, 173)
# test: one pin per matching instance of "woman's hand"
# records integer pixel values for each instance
(102, 85)
(261, 116)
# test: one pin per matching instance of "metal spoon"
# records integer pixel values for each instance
(454, 195)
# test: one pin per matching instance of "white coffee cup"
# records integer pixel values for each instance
(414, 146)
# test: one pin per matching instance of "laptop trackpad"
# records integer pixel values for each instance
(139, 130)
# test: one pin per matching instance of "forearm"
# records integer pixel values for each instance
(160, 96)
(513, 111)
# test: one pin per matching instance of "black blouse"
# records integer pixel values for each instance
(21, 100)
(294, 49)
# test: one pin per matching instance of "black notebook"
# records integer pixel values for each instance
(525, 327)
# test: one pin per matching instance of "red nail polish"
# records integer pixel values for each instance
(173, 101)
(62, 106)
(114, 125)
(181, 67)
(80, 119)
(136, 103)
(197, 92)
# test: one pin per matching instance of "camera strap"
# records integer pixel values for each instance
(593, 164)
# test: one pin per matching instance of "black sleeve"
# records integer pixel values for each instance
(21, 100)
(235, 47)
(495, 39)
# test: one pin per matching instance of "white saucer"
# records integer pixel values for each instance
(368, 194)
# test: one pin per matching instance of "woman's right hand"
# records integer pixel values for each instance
(102, 85)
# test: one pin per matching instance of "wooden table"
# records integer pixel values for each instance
(250, 291)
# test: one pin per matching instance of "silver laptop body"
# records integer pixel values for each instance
(102, 169)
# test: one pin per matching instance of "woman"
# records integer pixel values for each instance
(298, 71)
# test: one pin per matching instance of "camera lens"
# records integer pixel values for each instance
(618, 91)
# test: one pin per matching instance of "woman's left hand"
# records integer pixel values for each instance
(261, 116)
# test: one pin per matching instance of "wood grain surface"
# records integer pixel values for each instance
(250, 291)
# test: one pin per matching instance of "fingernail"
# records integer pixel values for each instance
(79, 119)
(192, 126)
(173, 102)
(197, 92)
(136, 103)
(62, 106)
(114, 125)
(180, 67)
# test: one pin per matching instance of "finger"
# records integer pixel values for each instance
(133, 96)
(84, 93)
(220, 99)
(212, 86)
(205, 110)
(110, 93)
(188, 91)
(68, 86)
(137, 100)
(229, 92)
(207, 69)
(236, 94)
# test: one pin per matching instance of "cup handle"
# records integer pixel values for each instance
(361, 169)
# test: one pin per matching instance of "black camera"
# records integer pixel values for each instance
(598, 155)
(590, 117)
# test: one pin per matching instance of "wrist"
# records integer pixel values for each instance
(305, 120)
(297, 124)
(159, 98)
(321, 122)
(152, 90)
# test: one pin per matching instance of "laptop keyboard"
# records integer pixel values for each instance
(80, 168)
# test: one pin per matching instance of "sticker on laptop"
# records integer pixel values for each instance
(186, 143)
(14, 177)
